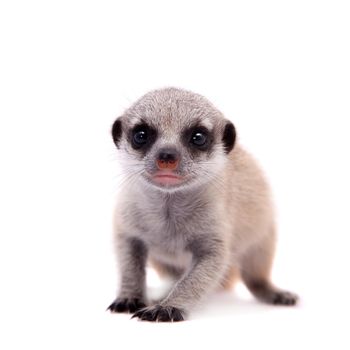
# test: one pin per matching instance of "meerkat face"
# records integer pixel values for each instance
(172, 139)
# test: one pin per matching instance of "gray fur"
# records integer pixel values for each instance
(220, 218)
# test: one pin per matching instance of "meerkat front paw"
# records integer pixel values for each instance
(126, 305)
(159, 313)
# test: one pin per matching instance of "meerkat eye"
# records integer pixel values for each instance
(199, 138)
(140, 137)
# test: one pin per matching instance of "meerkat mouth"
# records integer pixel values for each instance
(167, 178)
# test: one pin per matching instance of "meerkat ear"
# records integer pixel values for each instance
(229, 137)
(117, 131)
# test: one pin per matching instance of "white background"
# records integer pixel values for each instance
(278, 69)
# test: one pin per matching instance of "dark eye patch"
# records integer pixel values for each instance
(142, 136)
(198, 139)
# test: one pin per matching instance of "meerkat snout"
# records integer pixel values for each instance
(167, 161)
(194, 204)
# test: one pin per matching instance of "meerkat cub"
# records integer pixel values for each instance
(194, 203)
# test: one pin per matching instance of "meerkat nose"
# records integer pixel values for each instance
(170, 164)
(168, 159)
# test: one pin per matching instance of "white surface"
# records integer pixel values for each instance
(279, 70)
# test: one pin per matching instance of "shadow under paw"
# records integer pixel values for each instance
(159, 313)
(126, 305)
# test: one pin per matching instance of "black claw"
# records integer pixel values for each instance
(177, 315)
(126, 305)
(136, 314)
(159, 313)
(149, 316)
(132, 307)
(163, 315)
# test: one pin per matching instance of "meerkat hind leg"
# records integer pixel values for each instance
(230, 279)
(255, 271)
(166, 270)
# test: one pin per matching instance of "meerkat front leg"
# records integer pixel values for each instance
(132, 254)
(206, 271)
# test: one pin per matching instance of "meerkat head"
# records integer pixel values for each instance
(173, 139)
